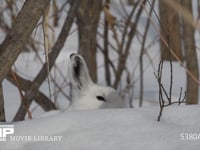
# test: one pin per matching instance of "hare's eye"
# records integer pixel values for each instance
(101, 98)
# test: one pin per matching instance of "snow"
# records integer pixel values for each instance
(106, 129)
(112, 129)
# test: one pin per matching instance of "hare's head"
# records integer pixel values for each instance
(91, 96)
(98, 97)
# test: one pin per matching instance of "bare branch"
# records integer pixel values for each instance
(52, 57)
(2, 110)
(162, 90)
(12, 46)
(142, 53)
(40, 98)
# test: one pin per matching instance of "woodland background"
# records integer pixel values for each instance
(106, 33)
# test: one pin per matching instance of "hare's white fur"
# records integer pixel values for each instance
(90, 95)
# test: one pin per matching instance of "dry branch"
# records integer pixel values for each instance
(196, 80)
(52, 57)
(2, 111)
(20, 33)
(46, 27)
(23, 99)
(163, 92)
(25, 84)
(124, 52)
(106, 51)
(142, 51)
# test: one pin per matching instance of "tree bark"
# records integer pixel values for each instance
(190, 55)
(106, 49)
(41, 99)
(87, 20)
(31, 92)
(20, 33)
(170, 28)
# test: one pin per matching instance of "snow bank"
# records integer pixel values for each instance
(119, 129)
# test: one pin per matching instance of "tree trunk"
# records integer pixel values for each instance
(32, 91)
(191, 56)
(170, 28)
(2, 111)
(106, 49)
(20, 33)
(87, 20)
(25, 85)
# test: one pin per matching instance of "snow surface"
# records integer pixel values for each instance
(112, 129)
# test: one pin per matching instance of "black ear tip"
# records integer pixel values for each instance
(72, 54)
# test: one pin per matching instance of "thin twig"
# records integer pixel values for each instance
(46, 44)
(142, 53)
(162, 90)
(171, 50)
(171, 82)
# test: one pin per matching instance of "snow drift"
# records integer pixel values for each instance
(113, 129)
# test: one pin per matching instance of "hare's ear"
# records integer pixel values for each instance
(79, 71)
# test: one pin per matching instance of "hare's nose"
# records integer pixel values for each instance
(72, 55)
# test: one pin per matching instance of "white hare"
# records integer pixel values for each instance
(91, 95)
